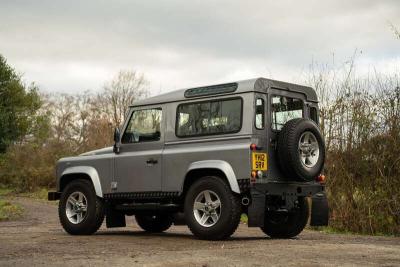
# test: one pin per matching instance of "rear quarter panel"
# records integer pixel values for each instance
(179, 153)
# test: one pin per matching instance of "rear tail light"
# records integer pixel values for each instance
(253, 177)
(321, 178)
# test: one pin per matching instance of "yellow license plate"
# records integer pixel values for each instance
(259, 161)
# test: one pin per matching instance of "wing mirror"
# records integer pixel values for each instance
(117, 137)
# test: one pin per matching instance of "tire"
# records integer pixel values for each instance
(225, 217)
(300, 159)
(156, 223)
(91, 220)
(279, 225)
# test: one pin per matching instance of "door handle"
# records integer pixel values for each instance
(151, 161)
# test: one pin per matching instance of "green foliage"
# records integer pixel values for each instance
(18, 108)
(29, 166)
(40, 193)
(360, 119)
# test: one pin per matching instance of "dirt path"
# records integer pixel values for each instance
(38, 239)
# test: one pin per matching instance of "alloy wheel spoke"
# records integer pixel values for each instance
(80, 197)
(70, 201)
(204, 219)
(199, 206)
(214, 217)
(207, 196)
(216, 204)
(314, 146)
(79, 217)
(71, 214)
(307, 138)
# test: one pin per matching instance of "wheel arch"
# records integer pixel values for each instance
(80, 172)
(218, 168)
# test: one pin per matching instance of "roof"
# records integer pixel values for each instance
(255, 85)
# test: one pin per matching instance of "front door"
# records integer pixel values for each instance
(138, 165)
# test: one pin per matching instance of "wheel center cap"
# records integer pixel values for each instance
(77, 207)
(209, 208)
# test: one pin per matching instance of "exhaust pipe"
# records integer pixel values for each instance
(245, 201)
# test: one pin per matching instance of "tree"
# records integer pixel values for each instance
(18, 107)
(395, 30)
(118, 94)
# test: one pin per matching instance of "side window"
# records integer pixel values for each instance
(260, 111)
(144, 125)
(314, 114)
(211, 117)
(284, 109)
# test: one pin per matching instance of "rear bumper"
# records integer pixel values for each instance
(288, 189)
(53, 196)
(289, 193)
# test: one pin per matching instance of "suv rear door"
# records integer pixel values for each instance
(283, 106)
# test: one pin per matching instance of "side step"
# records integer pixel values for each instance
(148, 207)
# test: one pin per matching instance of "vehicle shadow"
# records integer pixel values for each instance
(176, 235)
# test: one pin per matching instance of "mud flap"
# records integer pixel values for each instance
(114, 218)
(319, 210)
(256, 210)
(179, 218)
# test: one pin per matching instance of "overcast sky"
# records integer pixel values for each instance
(70, 46)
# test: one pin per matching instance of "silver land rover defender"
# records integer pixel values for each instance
(202, 157)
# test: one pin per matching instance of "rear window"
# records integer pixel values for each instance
(207, 118)
(314, 114)
(285, 109)
(260, 111)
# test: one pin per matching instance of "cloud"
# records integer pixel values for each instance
(77, 45)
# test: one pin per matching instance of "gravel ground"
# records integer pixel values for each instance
(38, 239)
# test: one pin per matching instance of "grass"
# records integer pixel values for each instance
(9, 211)
(40, 193)
(333, 230)
(37, 194)
(243, 218)
(5, 191)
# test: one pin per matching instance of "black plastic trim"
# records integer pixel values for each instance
(211, 90)
(141, 195)
(52, 196)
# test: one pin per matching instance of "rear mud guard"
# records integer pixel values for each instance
(319, 210)
(256, 211)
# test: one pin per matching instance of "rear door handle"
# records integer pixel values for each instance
(151, 161)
